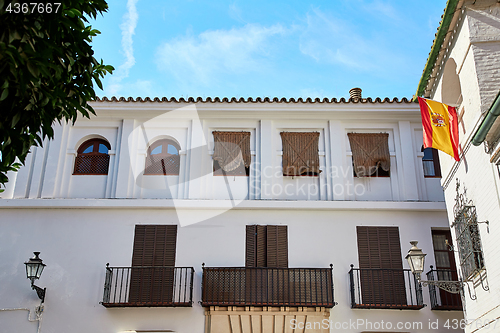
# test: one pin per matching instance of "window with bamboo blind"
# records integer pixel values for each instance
(381, 266)
(92, 158)
(163, 158)
(153, 258)
(300, 153)
(370, 154)
(232, 156)
(266, 246)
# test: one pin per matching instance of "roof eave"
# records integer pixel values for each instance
(441, 35)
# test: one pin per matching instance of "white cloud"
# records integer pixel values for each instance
(202, 58)
(312, 93)
(236, 13)
(381, 8)
(327, 39)
(128, 30)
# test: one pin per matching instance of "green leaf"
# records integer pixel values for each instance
(15, 119)
(4, 95)
(48, 73)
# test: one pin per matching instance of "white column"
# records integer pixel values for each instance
(124, 178)
(267, 152)
(182, 175)
(110, 176)
(406, 168)
(38, 171)
(24, 176)
(197, 151)
(64, 164)
(339, 167)
(52, 163)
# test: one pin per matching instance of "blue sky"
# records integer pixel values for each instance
(269, 48)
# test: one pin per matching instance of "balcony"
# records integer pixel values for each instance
(384, 289)
(441, 299)
(154, 286)
(249, 286)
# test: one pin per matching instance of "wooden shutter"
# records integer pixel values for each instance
(277, 246)
(154, 248)
(256, 246)
(250, 247)
(380, 248)
(154, 245)
(266, 246)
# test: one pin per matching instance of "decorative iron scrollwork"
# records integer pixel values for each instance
(467, 235)
(454, 287)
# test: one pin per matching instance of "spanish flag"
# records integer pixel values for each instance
(440, 125)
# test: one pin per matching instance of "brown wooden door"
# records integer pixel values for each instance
(153, 261)
(381, 266)
(445, 261)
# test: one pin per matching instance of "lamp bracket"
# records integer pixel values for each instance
(39, 291)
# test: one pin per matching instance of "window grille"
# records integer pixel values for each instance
(163, 158)
(92, 158)
(467, 235)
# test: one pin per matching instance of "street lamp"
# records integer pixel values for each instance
(416, 259)
(34, 269)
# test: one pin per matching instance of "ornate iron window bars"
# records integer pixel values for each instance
(469, 247)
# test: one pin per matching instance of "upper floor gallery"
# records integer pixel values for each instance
(322, 150)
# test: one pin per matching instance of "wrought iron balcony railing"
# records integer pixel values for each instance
(441, 299)
(385, 289)
(245, 286)
(152, 286)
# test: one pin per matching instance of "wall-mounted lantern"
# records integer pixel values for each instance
(34, 269)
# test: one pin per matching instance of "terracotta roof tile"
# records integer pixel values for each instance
(253, 100)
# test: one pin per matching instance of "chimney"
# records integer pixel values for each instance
(355, 94)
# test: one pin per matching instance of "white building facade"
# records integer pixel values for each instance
(262, 192)
(464, 72)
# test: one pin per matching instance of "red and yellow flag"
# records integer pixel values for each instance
(440, 125)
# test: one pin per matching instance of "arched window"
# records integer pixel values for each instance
(451, 89)
(163, 158)
(92, 158)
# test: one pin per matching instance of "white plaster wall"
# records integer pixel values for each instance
(477, 51)
(481, 180)
(87, 186)
(484, 26)
(77, 243)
